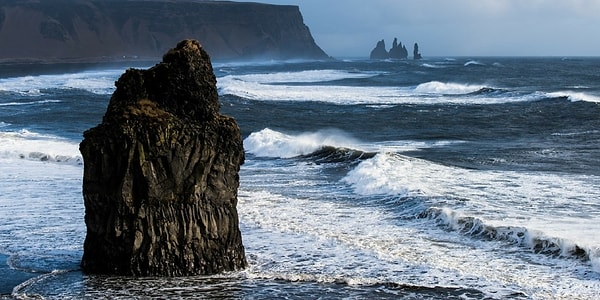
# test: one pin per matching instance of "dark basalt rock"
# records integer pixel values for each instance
(398, 51)
(416, 54)
(161, 174)
(379, 52)
(109, 30)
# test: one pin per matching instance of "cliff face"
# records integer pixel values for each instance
(129, 29)
(161, 174)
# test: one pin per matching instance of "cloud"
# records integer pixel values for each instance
(458, 27)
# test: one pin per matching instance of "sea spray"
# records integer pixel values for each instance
(271, 143)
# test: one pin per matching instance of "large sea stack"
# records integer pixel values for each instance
(161, 174)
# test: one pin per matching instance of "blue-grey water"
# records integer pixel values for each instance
(446, 178)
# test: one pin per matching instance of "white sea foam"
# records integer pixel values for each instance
(300, 87)
(30, 102)
(332, 93)
(575, 133)
(271, 143)
(42, 214)
(29, 145)
(433, 66)
(97, 82)
(367, 241)
(376, 248)
(499, 199)
(298, 77)
(443, 88)
(575, 96)
(473, 63)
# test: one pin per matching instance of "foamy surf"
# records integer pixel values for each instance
(271, 143)
(286, 87)
(29, 145)
(423, 192)
(445, 88)
(575, 96)
(497, 205)
(98, 82)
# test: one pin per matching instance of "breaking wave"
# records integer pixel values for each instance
(575, 96)
(442, 88)
(325, 145)
(29, 145)
(271, 143)
(98, 82)
(535, 240)
(308, 86)
(329, 154)
(500, 206)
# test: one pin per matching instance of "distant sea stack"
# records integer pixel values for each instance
(161, 174)
(398, 51)
(416, 53)
(379, 52)
(105, 30)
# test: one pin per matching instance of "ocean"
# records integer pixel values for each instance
(443, 178)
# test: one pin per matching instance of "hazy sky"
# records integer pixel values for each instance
(345, 28)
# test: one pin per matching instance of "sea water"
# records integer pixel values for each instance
(440, 178)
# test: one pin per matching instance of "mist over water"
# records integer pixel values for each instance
(442, 178)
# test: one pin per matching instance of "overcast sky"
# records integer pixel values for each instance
(351, 28)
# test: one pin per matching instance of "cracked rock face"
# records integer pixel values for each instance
(161, 174)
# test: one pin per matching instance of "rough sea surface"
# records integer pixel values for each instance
(444, 178)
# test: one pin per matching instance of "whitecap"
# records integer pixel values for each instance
(306, 76)
(271, 143)
(473, 63)
(443, 88)
(575, 96)
(501, 198)
(268, 87)
(30, 102)
(29, 145)
(432, 66)
(97, 82)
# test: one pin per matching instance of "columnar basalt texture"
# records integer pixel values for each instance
(161, 174)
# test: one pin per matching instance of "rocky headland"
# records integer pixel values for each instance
(108, 30)
(161, 174)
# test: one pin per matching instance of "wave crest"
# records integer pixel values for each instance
(537, 241)
(433, 92)
(98, 82)
(467, 201)
(575, 96)
(37, 147)
(437, 87)
(271, 143)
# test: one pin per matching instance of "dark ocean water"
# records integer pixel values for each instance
(441, 178)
